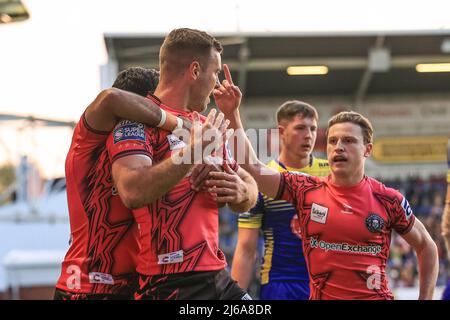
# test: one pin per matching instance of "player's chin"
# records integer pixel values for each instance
(200, 108)
(304, 152)
(339, 166)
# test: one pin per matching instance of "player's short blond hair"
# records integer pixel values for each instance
(356, 118)
(184, 45)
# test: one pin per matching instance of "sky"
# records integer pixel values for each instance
(50, 64)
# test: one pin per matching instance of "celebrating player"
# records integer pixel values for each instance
(179, 256)
(347, 218)
(100, 263)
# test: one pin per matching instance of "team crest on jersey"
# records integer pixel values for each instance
(374, 223)
(319, 213)
(129, 130)
(406, 208)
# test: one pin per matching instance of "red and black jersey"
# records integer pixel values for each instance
(180, 231)
(103, 246)
(346, 233)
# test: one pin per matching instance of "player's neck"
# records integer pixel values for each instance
(293, 161)
(346, 180)
(173, 96)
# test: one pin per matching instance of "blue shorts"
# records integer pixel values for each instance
(446, 293)
(285, 290)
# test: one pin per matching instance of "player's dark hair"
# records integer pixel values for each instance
(137, 80)
(184, 45)
(356, 118)
(288, 110)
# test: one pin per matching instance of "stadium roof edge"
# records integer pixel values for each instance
(344, 33)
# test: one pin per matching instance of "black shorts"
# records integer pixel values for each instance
(208, 285)
(65, 295)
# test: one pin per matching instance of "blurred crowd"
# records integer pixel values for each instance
(426, 198)
(427, 202)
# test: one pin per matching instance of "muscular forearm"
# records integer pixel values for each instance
(242, 267)
(144, 185)
(113, 104)
(250, 198)
(428, 269)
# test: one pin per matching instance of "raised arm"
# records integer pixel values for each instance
(114, 104)
(228, 98)
(427, 256)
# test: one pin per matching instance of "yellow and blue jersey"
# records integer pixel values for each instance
(283, 258)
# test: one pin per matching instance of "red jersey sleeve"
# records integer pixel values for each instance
(288, 183)
(402, 217)
(86, 137)
(294, 186)
(129, 138)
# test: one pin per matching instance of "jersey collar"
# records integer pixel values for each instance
(282, 165)
(156, 100)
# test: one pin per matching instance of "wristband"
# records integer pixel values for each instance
(163, 119)
(179, 124)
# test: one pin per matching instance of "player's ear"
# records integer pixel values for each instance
(368, 150)
(194, 70)
(281, 130)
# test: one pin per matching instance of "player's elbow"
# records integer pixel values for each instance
(131, 194)
(108, 97)
(131, 199)
(428, 246)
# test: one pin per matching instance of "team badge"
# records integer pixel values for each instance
(374, 223)
(129, 130)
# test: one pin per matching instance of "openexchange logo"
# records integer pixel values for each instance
(345, 247)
